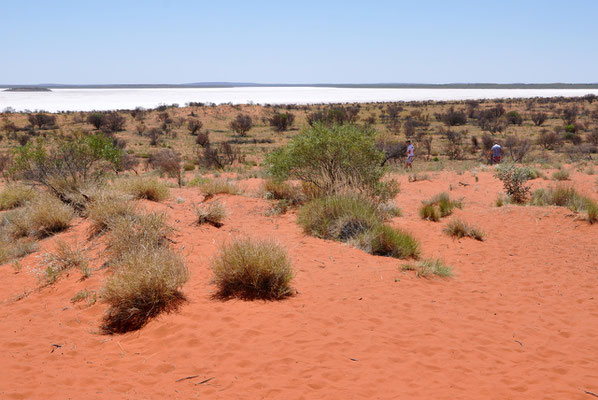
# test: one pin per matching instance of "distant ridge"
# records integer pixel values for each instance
(331, 85)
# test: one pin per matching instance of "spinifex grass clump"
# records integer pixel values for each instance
(212, 213)
(148, 275)
(106, 207)
(280, 190)
(358, 220)
(459, 229)
(63, 259)
(14, 195)
(563, 196)
(427, 267)
(213, 187)
(438, 206)
(248, 269)
(144, 188)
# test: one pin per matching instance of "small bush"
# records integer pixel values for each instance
(513, 179)
(212, 213)
(384, 240)
(145, 188)
(429, 212)
(425, 268)
(282, 121)
(241, 124)
(218, 186)
(249, 269)
(459, 229)
(332, 159)
(560, 175)
(14, 195)
(146, 282)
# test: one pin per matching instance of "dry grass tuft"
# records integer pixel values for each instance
(211, 187)
(563, 196)
(144, 188)
(250, 269)
(46, 215)
(129, 233)
(459, 229)
(428, 267)
(106, 207)
(212, 213)
(64, 259)
(14, 195)
(560, 175)
(280, 190)
(15, 249)
(146, 282)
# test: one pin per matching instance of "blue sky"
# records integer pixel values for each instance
(169, 41)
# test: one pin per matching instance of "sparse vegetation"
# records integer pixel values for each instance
(144, 188)
(248, 269)
(563, 196)
(438, 207)
(459, 229)
(212, 187)
(212, 213)
(63, 259)
(427, 267)
(15, 195)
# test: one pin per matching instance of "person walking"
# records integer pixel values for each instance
(495, 151)
(410, 155)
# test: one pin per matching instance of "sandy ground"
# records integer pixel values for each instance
(519, 320)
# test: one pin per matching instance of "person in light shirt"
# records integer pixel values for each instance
(410, 155)
(495, 154)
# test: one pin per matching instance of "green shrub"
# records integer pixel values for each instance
(427, 267)
(146, 282)
(332, 159)
(145, 188)
(66, 164)
(513, 179)
(252, 269)
(384, 240)
(459, 229)
(14, 195)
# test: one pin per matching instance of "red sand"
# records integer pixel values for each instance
(519, 320)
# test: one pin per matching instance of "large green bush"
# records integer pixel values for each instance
(332, 158)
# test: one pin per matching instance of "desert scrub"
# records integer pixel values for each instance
(563, 196)
(63, 259)
(145, 283)
(248, 268)
(384, 240)
(459, 229)
(15, 195)
(105, 207)
(332, 159)
(427, 267)
(339, 217)
(513, 179)
(560, 175)
(90, 297)
(144, 188)
(438, 206)
(212, 213)
(212, 187)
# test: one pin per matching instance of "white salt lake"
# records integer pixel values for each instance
(111, 99)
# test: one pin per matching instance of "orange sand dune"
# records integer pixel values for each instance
(519, 320)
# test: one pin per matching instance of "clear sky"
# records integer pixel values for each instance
(304, 41)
